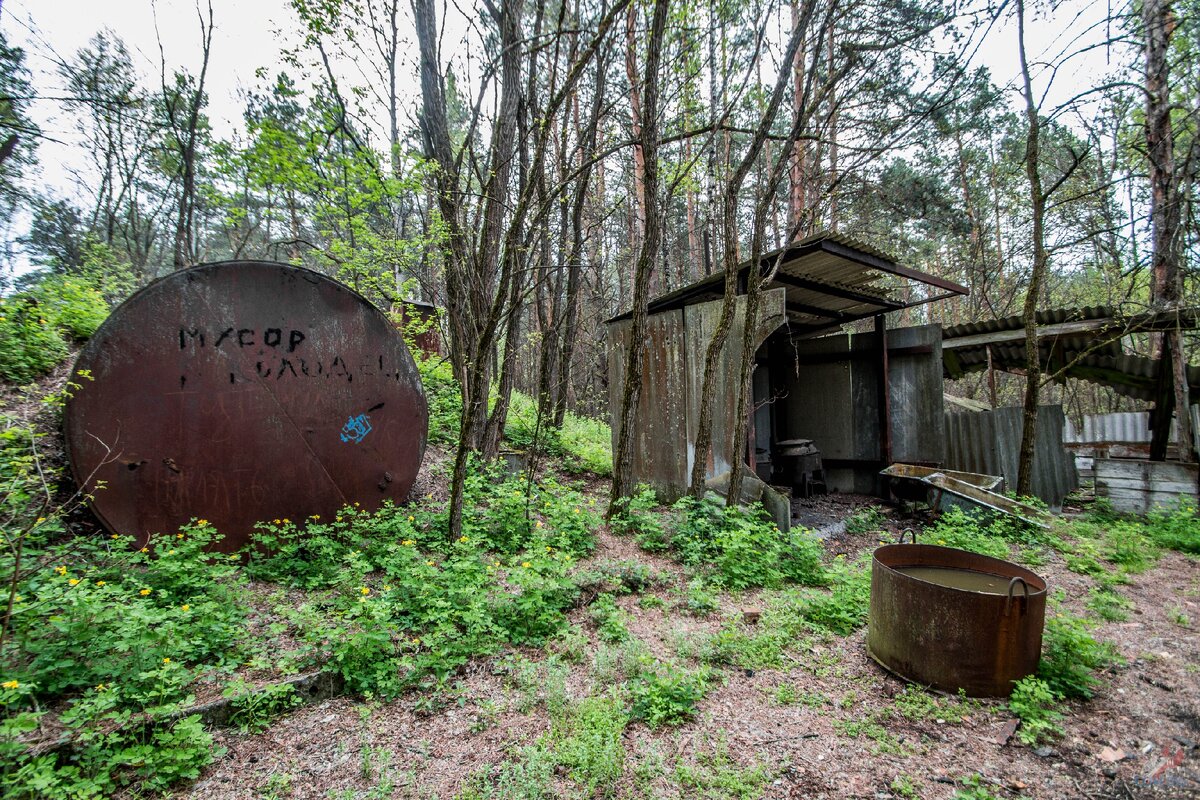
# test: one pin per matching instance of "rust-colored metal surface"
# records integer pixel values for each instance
(240, 392)
(953, 638)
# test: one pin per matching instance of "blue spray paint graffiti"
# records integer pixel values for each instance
(356, 428)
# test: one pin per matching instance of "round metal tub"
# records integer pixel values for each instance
(954, 620)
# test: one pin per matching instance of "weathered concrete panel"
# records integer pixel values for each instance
(700, 322)
(660, 442)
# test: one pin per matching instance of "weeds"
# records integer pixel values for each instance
(1035, 704)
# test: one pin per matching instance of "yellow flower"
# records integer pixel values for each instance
(73, 582)
(416, 641)
(144, 550)
(463, 539)
(185, 607)
(338, 518)
(549, 548)
(40, 520)
(115, 536)
(166, 661)
(941, 541)
(427, 497)
(233, 557)
(170, 552)
(365, 591)
(100, 687)
(179, 536)
(525, 564)
(276, 522)
(407, 542)
(99, 583)
(592, 502)
(539, 523)
(429, 563)
(11, 684)
(61, 570)
(315, 516)
(387, 588)
(145, 592)
(356, 505)
(577, 510)
(200, 523)
(287, 521)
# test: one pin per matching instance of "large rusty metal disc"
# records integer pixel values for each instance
(241, 392)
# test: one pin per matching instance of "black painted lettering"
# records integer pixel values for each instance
(245, 337)
(231, 378)
(194, 334)
(272, 337)
(294, 340)
(304, 368)
(285, 364)
(258, 367)
(225, 334)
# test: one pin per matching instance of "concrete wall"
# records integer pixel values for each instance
(668, 412)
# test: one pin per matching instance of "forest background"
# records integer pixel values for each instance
(536, 168)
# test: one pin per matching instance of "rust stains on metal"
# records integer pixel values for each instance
(980, 641)
(243, 392)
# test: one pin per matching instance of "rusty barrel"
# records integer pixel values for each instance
(979, 640)
(240, 392)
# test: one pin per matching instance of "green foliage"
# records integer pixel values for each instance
(30, 344)
(957, 528)
(664, 694)
(408, 604)
(588, 743)
(581, 444)
(1035, 704)
(1070, 657)
(1107, 604)
(443, 396)
(1176, 529)
(71, 304)
(717, 776)
(612, 622)
(865, 520)
(845, 608)
(973, 789)
(617, 577)
(636, 516)
(253, 710)
(916, 704)
(736, 548)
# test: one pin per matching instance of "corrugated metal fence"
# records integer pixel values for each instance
(989, 442)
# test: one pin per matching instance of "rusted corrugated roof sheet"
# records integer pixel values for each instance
(1052, 316)
(829, 280)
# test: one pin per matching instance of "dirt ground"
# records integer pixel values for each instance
(1136, 739)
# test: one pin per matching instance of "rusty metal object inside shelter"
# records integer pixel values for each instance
(240, 393)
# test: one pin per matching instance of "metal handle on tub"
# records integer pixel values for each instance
(910, 532)
(1012, 585)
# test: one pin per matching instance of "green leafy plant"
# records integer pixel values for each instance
(1071, 656)
(663, 694)
(1035, 704)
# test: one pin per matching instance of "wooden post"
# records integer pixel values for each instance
(885, 392)
(991, 377)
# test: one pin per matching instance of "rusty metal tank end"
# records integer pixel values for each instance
(954, 620)
(241, 392)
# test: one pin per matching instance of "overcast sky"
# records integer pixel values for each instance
(251, 34)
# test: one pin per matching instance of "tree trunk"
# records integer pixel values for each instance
(1038, 210)
(622, 483)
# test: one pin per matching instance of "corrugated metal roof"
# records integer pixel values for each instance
(1052, 316)
(830, 279)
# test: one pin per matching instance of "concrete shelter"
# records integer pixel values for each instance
(864, 399)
